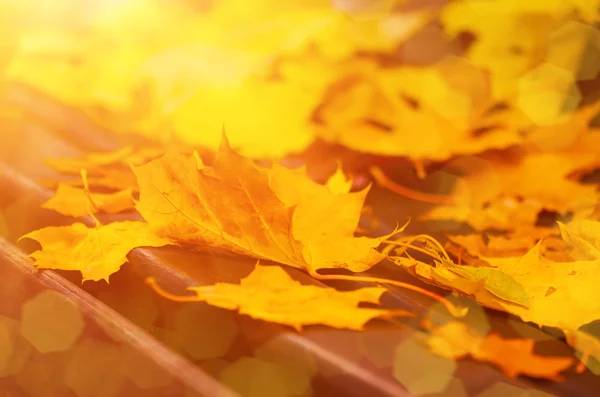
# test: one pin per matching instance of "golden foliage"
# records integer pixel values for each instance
(492, 102)
(270, 294)
(268, 213)
(96, 252)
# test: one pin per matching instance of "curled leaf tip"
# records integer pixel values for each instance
(224, 140)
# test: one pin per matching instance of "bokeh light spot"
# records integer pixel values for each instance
(51, 322)
(252, 377)
(419, 371)
(94, 369)
(204, 331)
(144, 372)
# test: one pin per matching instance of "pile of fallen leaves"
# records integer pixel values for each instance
(493, 101)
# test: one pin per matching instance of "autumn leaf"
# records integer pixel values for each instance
(104, 169)
(202, 78)
(71, 201)
(497, 282)
(388, 111)
(472, 281)
(501, 26)
(160, 80)
(510, 244)
(496, 99)
(121, 178)
(96, 252)
(269, 213)
(488, 196)
(454, 340)
(552, 289)
(270, 294)
(97, 163)
(584, 238)
(338, 183)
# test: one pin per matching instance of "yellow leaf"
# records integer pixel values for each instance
(552, 289)
(584, 236)
(98, 163)
(96, 252)
(421, 113)
(74, 202)
(270, 294)
(515, 357)
(497, 282)
(121, 178)
(269, 213)
(104, 169)
(338, 183)
(487, 196)
(511, 35)
(469, 280)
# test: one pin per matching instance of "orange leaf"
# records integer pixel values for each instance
(515, 357)
(270, 294)
(270, 213)
(489, 195)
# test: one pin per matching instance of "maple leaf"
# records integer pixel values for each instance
(497, 282)
(387, 111)
(472, 281)
(96, 252)
(270, 294)
(227, 104)
(584, 237)
(269, 213)
(552, 289)
(97, 163)
(454, 340)
(113, 178)
(509, 244)
(74, 202)
(534, 28)
(158, 81)
(104, 169)
(202, 76)
(487, 197)
(338, 183)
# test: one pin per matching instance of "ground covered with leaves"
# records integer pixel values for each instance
(356, 141)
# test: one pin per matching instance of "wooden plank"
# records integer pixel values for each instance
(153, 368)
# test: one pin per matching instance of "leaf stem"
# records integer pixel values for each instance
(583, 362)
(419, 169)
(406, 242)
(409, 246)
(151, 281)
(382, 179)
(89, 202)
(455, 311)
